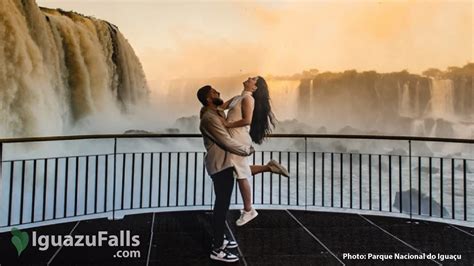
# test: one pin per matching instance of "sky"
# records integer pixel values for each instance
(185, 39)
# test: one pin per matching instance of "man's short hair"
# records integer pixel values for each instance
(202, 94)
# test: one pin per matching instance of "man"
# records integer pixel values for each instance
(218, 144)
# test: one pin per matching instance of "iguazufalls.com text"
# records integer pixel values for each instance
(102, 238)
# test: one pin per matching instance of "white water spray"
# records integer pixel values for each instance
(441, 104)
(59, 67)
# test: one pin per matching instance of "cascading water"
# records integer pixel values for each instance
(311, 95)
(59, 67)
(284, 98)
(417, 100)
(389, 103)
(441, 104)
(59, 70)
(404, 106)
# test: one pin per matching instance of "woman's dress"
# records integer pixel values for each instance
(240, 134)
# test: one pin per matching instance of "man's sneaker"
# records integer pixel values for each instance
(246, 217)
(229, 243)
(223, 255)
(277, 168)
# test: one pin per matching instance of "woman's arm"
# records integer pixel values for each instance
(247, 112)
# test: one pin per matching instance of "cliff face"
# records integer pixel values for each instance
(58, 67)
(369, 94)
(374, 101)
(350, 102)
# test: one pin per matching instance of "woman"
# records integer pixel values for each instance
(250, 118)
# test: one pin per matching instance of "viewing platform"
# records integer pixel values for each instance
(275, 237)
(349, 200)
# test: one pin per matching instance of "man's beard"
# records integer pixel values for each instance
(217, 101)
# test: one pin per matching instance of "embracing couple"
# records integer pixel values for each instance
(228, 141)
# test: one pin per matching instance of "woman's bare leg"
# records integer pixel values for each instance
(244, 185)
(246, 193)
(272, 166)
(257, 169)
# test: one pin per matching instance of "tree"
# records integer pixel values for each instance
(432, 73)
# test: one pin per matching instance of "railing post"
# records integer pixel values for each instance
(1, 161)
(410, 174)
(1, 172)
(115, 178)
(305, 173)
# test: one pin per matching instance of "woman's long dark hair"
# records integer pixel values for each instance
(263, 119)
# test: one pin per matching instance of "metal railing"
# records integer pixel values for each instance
(36, 191)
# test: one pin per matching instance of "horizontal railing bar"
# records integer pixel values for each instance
(258, 151)
(318, 136)
(158, 152)
(103, 212)
(439, 157)
(343, 210)
(96, 136)
(63, 157)
(102, 154)
(374, 154)
(337, 210)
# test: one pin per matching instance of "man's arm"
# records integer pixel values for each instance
(216, 130)
(225, 106)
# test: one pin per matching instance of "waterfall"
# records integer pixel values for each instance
(59, 67)
(284, 99)
(417, 108)
(404, 103)
(311, 97)
(441, 104)
(178, 97)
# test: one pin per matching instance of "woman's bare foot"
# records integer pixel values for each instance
(277, 168)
